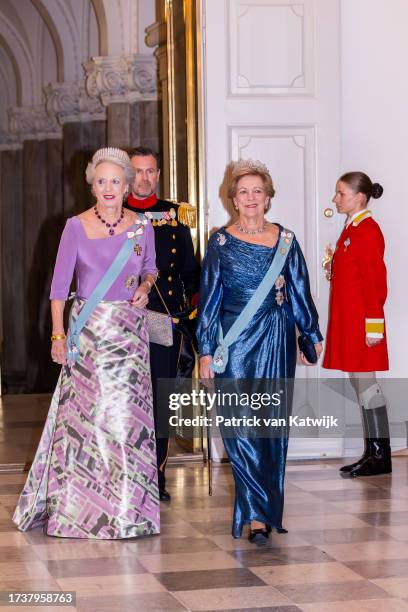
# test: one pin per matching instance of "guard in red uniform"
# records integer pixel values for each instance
(356, 339)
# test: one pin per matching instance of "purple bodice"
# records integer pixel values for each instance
(90, 259)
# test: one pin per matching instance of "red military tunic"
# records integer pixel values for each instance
(357, 297)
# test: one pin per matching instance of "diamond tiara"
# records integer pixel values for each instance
(111, 153)
(249, 164)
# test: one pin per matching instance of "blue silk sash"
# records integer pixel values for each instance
(220, 358)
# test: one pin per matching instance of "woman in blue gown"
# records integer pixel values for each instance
(236, 261)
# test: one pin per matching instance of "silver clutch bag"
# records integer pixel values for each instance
(160, 327)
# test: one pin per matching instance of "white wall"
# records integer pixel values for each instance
(374, 54)
(357, 106)
(146, 16)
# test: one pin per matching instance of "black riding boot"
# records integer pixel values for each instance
(378, 460)
(347, 468)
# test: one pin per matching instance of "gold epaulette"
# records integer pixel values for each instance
(187, 214)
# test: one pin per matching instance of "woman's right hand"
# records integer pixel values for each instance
(59, 351)
(205, 370)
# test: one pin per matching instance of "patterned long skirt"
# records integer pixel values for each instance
(94, 474)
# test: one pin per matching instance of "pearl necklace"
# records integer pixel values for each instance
(251, 232)
(110, 226)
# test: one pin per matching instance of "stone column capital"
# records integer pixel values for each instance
(69, 102)
(126, 78)
(33, 123)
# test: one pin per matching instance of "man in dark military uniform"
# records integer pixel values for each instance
(177, 281)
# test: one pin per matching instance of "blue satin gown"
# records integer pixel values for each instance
(266, 349)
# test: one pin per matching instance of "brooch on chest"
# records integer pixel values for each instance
(221, 239)
(346, 243)
(130, 282)
(279, 285)
(286, 236)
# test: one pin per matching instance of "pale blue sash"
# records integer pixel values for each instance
(98, 293)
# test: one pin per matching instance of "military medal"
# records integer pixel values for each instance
(136, 235)
(165, 217)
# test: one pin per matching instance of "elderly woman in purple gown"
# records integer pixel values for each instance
(94, 474)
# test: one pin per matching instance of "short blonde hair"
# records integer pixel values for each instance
(250, 167)
(111, 155)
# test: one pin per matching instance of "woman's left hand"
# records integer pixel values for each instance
(140, 297)
(319, 349)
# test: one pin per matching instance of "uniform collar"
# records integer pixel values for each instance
(358, 217)
(143, 203)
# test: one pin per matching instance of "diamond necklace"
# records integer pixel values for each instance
(110, 226)
(252, 232)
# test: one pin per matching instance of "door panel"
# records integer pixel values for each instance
(272, 92)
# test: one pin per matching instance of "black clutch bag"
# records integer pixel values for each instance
(307, 347)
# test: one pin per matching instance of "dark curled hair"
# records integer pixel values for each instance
(361, 183)
(145, 152)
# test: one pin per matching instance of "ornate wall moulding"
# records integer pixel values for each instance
(33, 123)
(69, 102)
(122, 79)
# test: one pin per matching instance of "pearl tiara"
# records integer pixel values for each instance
(249, 164)
(112, 154)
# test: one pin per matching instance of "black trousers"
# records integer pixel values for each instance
(163, 364)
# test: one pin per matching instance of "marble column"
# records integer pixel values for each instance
(83, 121)
(41, 216)
(36, 258)
(26, 192)
(81, 140)
(127, 86)
(156, 37)
(43, 224)
(145, 126)
(118, 125)
(12, 271)
(133, 125)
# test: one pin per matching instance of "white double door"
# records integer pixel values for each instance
(271, 91)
